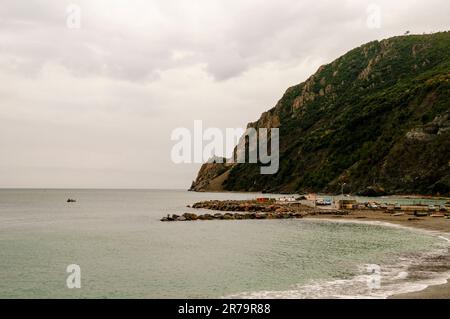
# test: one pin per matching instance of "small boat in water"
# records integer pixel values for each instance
(70, 200)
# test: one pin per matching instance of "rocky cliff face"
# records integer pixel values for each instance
(377, 117)
(211, 177)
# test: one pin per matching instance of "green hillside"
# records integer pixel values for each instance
(379, 116)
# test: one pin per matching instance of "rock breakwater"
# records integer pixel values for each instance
(239, 210)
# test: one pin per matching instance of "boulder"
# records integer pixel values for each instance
(260, 215)
(190, 216)
(228, 216)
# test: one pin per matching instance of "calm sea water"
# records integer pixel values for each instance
(124, 251)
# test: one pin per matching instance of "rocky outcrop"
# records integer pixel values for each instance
(238, 210)
(211, 177)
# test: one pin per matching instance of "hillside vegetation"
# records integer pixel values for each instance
(377, 117)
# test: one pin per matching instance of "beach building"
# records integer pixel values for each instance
(347, 203)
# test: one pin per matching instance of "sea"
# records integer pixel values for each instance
(123, 250)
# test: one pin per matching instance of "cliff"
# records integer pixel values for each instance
(378, 117)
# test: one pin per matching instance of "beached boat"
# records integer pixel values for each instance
(286, 199)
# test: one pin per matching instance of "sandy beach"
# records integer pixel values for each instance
(439, 225)
(254, 209)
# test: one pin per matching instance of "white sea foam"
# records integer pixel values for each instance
(409, 273)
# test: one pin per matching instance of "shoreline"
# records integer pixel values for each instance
(434, 226)
(399, 195)
(438, 227)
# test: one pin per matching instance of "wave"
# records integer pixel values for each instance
(407, 273)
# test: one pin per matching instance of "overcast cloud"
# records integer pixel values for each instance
(95, 106)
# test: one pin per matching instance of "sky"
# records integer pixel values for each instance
(91, 90)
